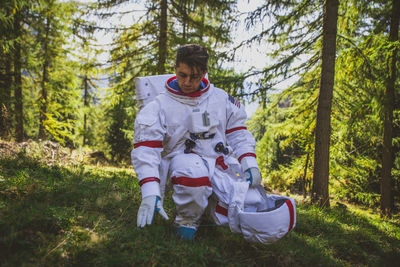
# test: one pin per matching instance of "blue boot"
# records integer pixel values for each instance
(186, 233)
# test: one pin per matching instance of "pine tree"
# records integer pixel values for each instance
(120, 144)
(162, 39)
(389, 100)
(58, 93)
(6, 77)
(148, 48)
(296, 27)
(17, 56)
(320, 190)
(357, 112)
(298, 30)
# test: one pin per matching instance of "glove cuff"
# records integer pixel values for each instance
(248, 162)
(151, 188)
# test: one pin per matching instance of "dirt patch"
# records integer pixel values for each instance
(47, 152)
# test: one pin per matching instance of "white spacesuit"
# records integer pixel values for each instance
(199, 142)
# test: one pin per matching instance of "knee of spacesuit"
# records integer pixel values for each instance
(192, 187)
(188, 165)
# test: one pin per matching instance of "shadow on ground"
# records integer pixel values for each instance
(86, 215)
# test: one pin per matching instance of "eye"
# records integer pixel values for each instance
(195, 77)
(182, 75)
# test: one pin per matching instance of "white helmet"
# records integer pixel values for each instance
(261, 218)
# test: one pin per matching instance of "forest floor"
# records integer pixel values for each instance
(57, 210)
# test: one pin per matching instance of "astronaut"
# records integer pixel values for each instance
(194, 136)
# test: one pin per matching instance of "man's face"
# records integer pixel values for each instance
(188, 80)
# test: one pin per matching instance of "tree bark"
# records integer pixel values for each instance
(19, 118)
(44, 82)
(320, 188)
(6, 83)
(86, 104)
(304, 179)
(184, 21)
(5, 101)
(162, 42)
(201, 34)
(387, 159)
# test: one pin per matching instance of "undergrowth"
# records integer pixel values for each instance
(85, 215)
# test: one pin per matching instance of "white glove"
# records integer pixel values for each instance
(148, 207)
(253, 176)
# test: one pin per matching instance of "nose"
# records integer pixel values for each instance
(187, 80)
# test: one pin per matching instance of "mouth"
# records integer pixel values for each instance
(187, 88)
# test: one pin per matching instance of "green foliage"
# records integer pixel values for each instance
(117, 137)
(136, 52)
(294, 30)
(285, 127)
(49, 76)
(289, 115)
(358, 120)
(285, 135)
(62, 100)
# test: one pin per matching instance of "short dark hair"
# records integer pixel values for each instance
(193, 55)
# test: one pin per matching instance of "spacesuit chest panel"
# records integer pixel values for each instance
(203, 123)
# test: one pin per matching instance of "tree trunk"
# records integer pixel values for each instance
(304, 179)
(19, 118)
(45, 79)
(320, 188)
(184, 21)
(162, 42)
(6, 84)
(203, 12)
(5, 101)
(387, 159)
(86, 104)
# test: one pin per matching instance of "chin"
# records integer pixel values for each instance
(188, 91)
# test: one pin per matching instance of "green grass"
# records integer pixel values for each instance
(86, 215)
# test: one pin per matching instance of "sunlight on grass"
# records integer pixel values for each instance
(86, 215)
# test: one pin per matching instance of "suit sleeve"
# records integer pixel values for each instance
(147, 146)
(237, 135)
